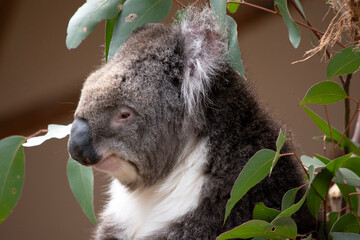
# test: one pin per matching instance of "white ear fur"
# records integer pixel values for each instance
(205, 49)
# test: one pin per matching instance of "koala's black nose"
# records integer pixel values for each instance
(80, 144)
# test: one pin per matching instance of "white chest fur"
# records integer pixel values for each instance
(146, 211)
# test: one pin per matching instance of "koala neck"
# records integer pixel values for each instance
(145, 211)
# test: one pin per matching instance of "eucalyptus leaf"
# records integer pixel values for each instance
(255, 170)
(346, 191)
(85, 19)
(257, 228)
(81, 182)
(307, 161)
(234, 56)
(345, 236)
(332, 218)
(345, 143)
(54, 131)
(134, 14)
(219, 8)
(294, 32)
(346, 223)
(109, 29)
(262, 212)
(347, 177)
(345, 62)
(279, 144)
(232, 7)
(285, 226)
(321, 183)
(288, 199)
(324, 93)
(11, 173)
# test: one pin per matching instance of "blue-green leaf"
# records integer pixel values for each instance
(11, 173)
(345, 62)
(288, 199)
(294, 32)
(345, 236)
(84, 21)
(109, 29)
(255, 170)
(134, 14)
(234, 56)
(219, 8)
(81, 182)
(324, 93)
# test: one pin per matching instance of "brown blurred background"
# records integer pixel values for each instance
(40, 82)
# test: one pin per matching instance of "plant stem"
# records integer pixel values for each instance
(314, 30)
(347, 127)
(179, 3)
(37, 133)
(332, 139)
(346, 87)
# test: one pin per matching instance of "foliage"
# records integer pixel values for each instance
(124, 16)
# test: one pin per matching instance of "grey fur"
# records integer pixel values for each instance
(178, 92)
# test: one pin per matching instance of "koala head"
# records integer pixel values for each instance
(137, 111)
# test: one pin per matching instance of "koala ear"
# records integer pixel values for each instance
(205, 47)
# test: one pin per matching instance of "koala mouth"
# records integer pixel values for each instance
(109, 163)
(124, 171)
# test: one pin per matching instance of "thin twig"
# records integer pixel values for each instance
(348, 126)
(286, 154)
(195, 3)
(178, 2)
(277, 13)
(346, 87)
(37, 133)
(331, 136)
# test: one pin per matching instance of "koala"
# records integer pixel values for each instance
(173, 124)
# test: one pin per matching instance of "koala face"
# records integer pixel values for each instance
(137, 112)
(131, 110)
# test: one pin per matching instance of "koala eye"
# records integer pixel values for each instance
(123, 117)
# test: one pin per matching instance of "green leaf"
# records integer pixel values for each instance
(262, 212)
(285, 226)
(11, 173)
(180, 14)
(346, 223)
(279, 144)
(347, 177)
(234, 56)
(219, 8)
(259, 228)
(308, 161)
(109, 29)
(333, 217)
(294, 33)
(81, 182)
(87, 17)
(300, 8)
(255, 170)
(321, 183)
(345, 236)
(353, 164)
(232, 7)
(345, 62)
(135, 13)
(345, 142)
(54, 131)
(354, 204)
(324, 93)
(288, 199)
